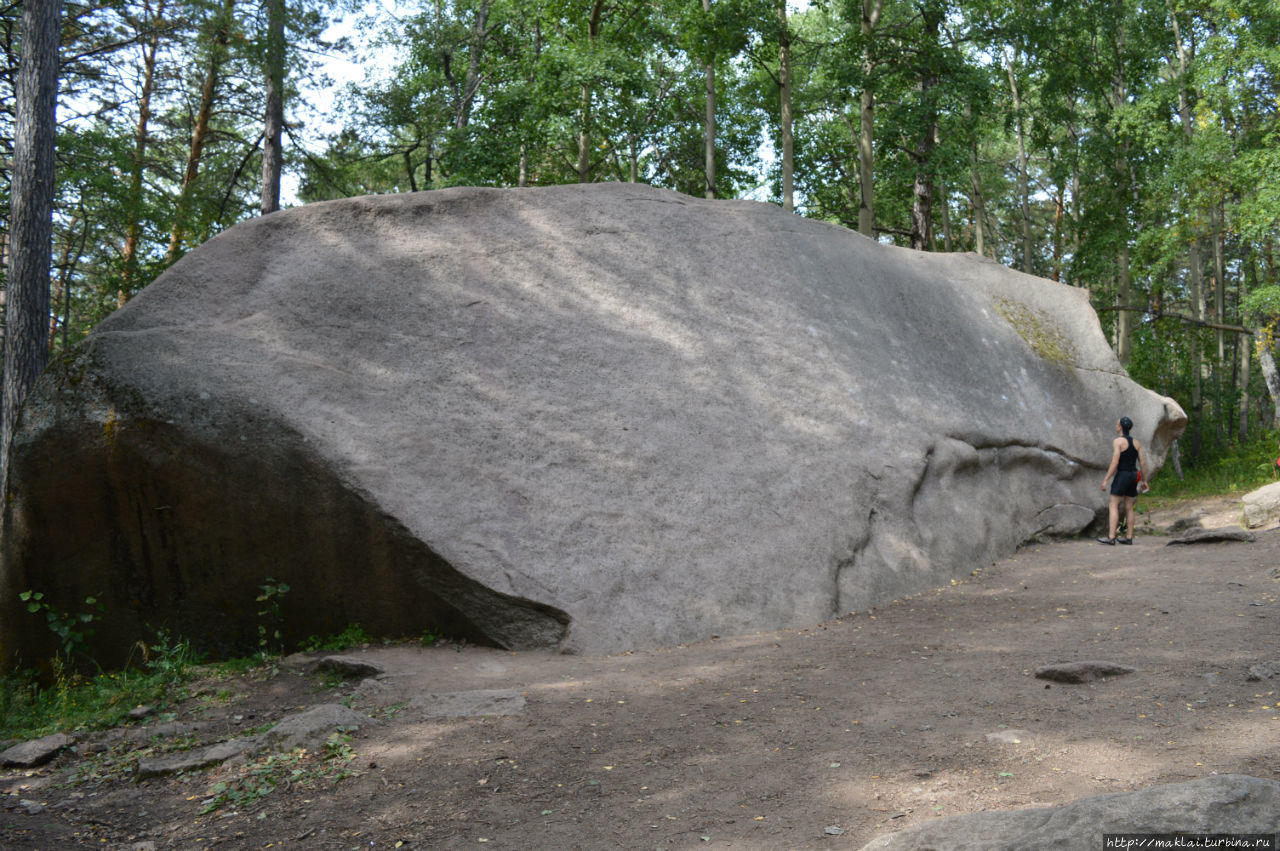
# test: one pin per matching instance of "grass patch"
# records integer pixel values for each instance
(353, 636)
(243, 786)
(32, 706)
(74, 702)
(1239, 468)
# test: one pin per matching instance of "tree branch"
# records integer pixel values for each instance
(1188, 320)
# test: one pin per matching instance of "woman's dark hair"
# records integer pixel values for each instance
(1126, 424)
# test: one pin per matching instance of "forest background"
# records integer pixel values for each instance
(1131, 147)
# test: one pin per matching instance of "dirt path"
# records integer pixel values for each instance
(814, 738)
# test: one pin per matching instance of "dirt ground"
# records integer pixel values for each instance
(824, 737)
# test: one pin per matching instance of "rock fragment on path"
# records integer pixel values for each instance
(350, 666)
(1231, 803)
(1263, 671)
(1212, 536)
(1008, 737)
(193, 760)
(1081, 672)
(36, 752)
(307, 729)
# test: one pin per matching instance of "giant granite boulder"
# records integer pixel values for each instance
(597, 418)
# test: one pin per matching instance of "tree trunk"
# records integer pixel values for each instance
(709, 120)
(1193, 250)
(31, 190)
(1075, 203)
(475, 52)
(1267, 361)
(273, 119)
(945, 207)
(583, 167)
(1242, 385)
(1124, 323)
(1024, 191)
(584, 133)
(922, 192)
(979, 206)
(208, 90)
(1124, 326)
(784, 94)
(866, 138)
(141, 137)
(1059, 214)
(1220, 278)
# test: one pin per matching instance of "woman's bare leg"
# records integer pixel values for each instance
(1114, 515)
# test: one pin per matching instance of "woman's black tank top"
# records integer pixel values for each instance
(1128, 457)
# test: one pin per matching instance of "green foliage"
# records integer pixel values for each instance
(29, 710)
(271, 630)
(73, 630)
(353, 636)
(256, 780)
(170, 658)
(1262, 306)
(33, 706)
(1239, 468)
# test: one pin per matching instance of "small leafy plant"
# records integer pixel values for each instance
(270, 632)
(353, 636)
(73, 630)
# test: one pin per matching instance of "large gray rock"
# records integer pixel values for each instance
(1262, 506)
(596, 417)
(1227, 804)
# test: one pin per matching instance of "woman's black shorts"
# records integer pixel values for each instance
(1125, 483)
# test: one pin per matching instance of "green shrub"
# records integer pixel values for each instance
(1240, 467)
(353, 636)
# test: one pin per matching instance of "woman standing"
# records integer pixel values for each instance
(1128, 465)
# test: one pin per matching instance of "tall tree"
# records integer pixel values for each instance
(149, 28)
(785, 117)
(868, 21)
(26, 338)
(273, 119)
(219, 40)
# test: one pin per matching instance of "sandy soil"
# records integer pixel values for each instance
(810, 738)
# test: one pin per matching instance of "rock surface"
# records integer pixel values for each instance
(36, 752)
(308, 729)
(1262, 506)
(1081, 672)
(1230, 803)
(1213, 536)
(598, 418)
(350, 666)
